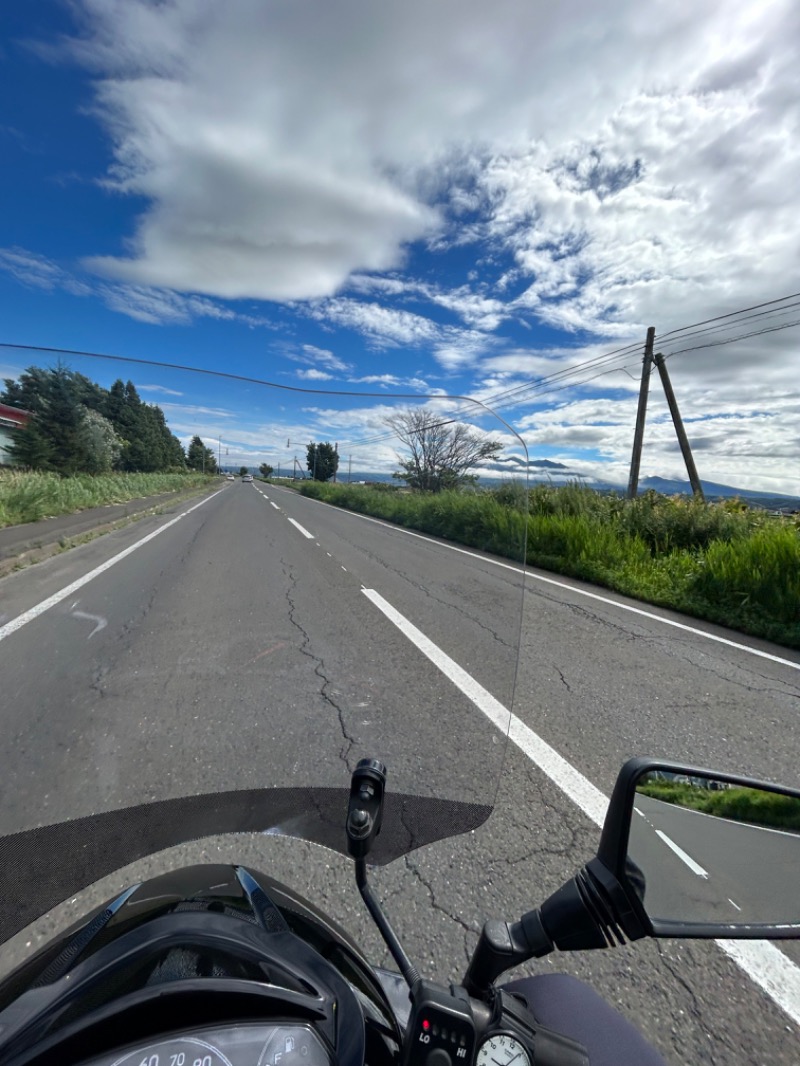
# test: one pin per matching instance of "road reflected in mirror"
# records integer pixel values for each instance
(704, 850)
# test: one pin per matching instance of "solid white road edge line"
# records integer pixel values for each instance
(34, 612)
(768, 967)
(303, 531)
(571, 588)
(695, 867)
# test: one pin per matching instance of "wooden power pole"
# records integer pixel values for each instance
(638, 437)
(683, 440)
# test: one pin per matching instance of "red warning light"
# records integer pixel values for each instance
(426, 1025)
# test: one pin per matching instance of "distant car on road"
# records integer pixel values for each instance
(230, 477)
(247, 477)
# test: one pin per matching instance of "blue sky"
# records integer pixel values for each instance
(455, 198)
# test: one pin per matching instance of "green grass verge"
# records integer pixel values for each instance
(29, 497)
(719, 562)
(739, 804)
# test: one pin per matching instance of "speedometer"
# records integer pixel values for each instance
(502, 1049)
(179, 1051)
(245, 1044)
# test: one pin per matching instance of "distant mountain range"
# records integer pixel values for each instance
(553, 473)
(713, 490)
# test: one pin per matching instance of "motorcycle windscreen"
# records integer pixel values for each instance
(340, 577)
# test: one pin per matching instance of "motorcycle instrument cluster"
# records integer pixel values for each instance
(232, 1045)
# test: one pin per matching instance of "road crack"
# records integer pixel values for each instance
(326, 685)
(415, 871)
(564, 681)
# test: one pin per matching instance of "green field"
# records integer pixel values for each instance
(720, 562)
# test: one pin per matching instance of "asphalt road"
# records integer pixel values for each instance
(702, 868)
(232, 651)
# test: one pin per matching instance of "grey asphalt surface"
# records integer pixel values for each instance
(733, 856)
(237, 652)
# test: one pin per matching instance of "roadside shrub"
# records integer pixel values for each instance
(665, 523)
(759, 574)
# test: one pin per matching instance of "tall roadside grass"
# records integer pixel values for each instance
(738, 804)
(720, 562)
(29, 497)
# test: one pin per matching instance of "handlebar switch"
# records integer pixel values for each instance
(441, 1028)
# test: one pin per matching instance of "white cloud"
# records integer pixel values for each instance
(282, 149)
(472, 307)
(39, 272)
(383, 325)
(144, 303)
(453, 348)
(186, 410)
(159, 389)
(310, 355)
(29, 268)
(155, 306)
(682, 204)
(393, 381)
(314, 375)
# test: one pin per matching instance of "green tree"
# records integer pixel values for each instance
(99, 442)
(59, 437)
(243, 470)
(322, 461)
(441, 451)
(31, 446)
(266, 470)
(198, 457)
(52, 439)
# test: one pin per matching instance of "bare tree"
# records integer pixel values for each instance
(442, 451)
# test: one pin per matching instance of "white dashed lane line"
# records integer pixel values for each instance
(302, 529)
(695, 867)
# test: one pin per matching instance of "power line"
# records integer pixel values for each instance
(719, 322)
(515, 395)
(719, 327)
(544, 385)
(731, 314)
(733, 340)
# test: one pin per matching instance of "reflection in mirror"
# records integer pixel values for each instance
(704, 850)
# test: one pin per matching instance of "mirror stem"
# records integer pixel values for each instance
(502, 946)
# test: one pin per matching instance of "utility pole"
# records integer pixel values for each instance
(683, 440)
(638, 436)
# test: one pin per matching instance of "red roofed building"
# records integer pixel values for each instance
(11, 419)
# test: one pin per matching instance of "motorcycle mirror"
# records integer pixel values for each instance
(684, 852)
(701, 854)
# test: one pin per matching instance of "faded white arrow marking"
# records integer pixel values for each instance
(100, 622)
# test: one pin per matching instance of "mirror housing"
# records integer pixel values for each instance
(656, 886)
